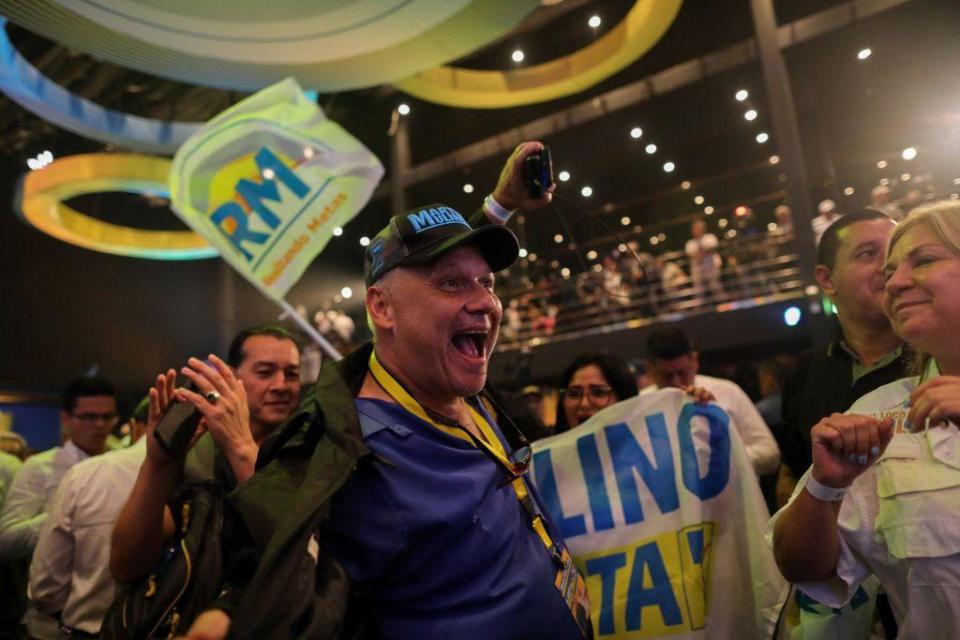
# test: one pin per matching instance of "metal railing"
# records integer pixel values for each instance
(756, 270)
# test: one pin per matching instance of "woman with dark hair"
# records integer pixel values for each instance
(591, 382)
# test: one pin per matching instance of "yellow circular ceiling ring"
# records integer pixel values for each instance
(42, 192)
(641, 28)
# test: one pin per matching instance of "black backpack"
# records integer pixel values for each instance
(186, 580)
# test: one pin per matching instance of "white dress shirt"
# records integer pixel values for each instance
(9, 465)
(70, 571)
(762, 449)
(26, 505)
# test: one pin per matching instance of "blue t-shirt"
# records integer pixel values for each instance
(432, 535)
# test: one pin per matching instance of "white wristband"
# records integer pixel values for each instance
(822, 492)
(497, 209)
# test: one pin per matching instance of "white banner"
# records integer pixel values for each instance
(663, 514)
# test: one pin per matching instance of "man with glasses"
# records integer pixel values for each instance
(673, 362)
(88, 414)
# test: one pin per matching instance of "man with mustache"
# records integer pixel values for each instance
(265, 362)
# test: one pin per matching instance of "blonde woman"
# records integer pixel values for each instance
(882, 497)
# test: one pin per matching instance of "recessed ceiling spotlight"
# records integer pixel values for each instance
(517, 55)
(742, 95)
(750, 115)
(650, 148)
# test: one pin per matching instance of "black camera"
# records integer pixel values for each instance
(538, 172)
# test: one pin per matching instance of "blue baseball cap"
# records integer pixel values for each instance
(427, 233)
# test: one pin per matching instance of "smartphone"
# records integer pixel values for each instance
(538, 172)
(177, 426)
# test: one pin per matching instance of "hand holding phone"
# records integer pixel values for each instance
(538, 172)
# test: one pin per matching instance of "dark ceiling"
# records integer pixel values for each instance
(67, 308)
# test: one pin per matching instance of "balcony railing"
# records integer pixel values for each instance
(756, 270)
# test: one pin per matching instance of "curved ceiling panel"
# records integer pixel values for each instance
(377, 41)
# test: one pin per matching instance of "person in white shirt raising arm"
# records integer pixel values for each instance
(883, 495)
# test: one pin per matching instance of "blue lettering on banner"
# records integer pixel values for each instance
(435, 217)
(606, 567)
(628, 456)
(718, 468)
(631, 463)
(254, 193)
(547, 485)
(658, 594)
(596, 487)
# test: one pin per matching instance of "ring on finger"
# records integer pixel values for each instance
(212, 396)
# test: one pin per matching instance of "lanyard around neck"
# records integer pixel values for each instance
(489, 442)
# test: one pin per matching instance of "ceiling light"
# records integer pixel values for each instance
(564, 176)
(669, 167)
(532, 257)
(662, 236)
(708, 210)
(722, 223)
(403, 109)
(625, 221)
(594, 22)
(636, 132)
(882, 164)
(863, 54)
(346, 292)
(654, 240)
(565, 273)
(885, 182)
(586, 192)
(517, 55)
(750, 115)
(591, 255)
(522, 253)
(622, 248)
(650, 148)
(685, 185)
(905, 177)
(909, 153)
(338, 231)
(848, 191)
(558, 238)
(467, 188)
(598, 267)
(698, 200)
(762, 137)
(364, 241)
(268, 174)
(742, 95)
(774, 159)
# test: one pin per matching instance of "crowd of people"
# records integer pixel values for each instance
(627, 282)
(391, 499)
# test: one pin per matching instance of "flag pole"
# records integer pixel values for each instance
(311, 331)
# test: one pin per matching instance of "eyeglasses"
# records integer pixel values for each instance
(109, 418)
(596, 393)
